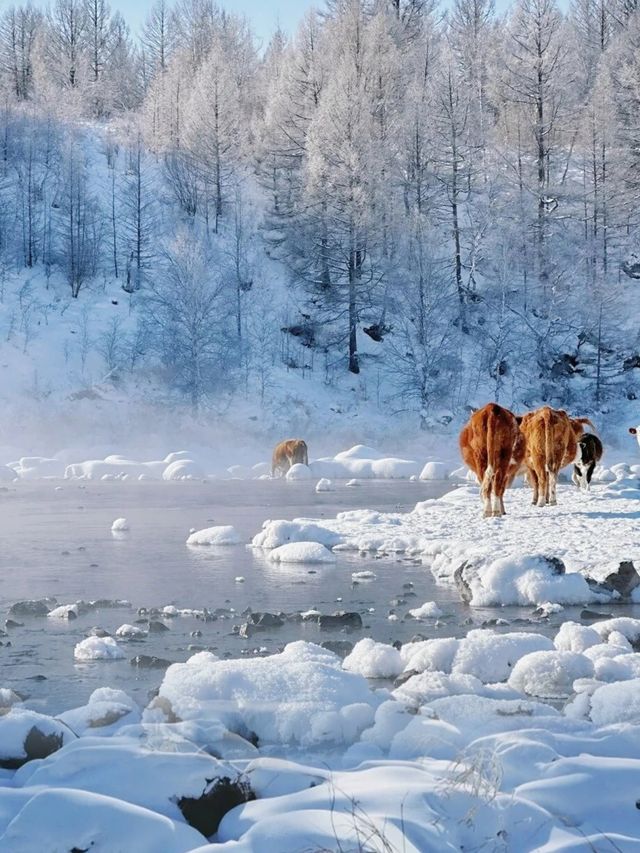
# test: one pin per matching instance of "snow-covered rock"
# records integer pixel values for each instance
(374, 660)
(26, 735)
(550, 674)
(98, 648)
(220, 535)
(70, 819)
(276, 533)
(491, 656)
(301, 695)
(428, 610)
(130, 632)
(302, 552)
(299, 472)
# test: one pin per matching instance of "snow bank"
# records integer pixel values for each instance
(302, 552)
(220, 535)
(365, 463)
(37, 468)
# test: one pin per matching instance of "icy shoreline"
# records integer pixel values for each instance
(532, 556)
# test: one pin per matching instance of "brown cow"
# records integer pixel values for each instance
(493, 447)
(288, 453)
(551, 443)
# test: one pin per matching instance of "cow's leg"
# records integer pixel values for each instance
(553, 482)
(589, 474)
(533, 482)
(543, 486)
(486, 489)
(577, 476)
(499, 483)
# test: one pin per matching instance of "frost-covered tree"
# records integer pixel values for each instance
(18, 29)
(192, 320)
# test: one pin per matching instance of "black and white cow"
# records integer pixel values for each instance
(588, 455)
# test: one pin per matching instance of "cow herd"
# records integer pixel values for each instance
(497, 445)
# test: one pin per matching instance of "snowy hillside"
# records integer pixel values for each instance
(359, 231)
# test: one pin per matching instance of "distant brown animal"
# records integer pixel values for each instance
(551, 438)
(493, 447)
(288, 453)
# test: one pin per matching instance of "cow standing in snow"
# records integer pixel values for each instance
(287, 453)
(589, 454)
(493, 447)
(551, 438)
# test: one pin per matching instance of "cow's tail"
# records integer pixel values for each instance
(492, 460)
(548, 442)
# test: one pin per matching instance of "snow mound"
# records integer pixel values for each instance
(75, 820)
(26, 735)
(616, 703)
(435, 655)
(98, 648)
(224, 534)
(301, 696)
(106, 711)
(299, 472)
(374, 660)
(491, 656)
(366, 463)
(130, 632)
(324, 485)
(37, 468)
(525, 579)
(435, 471)
(550, 674)
(183, 469)
(302, 552)
(120, 525)
(276, 533)
(574, 637)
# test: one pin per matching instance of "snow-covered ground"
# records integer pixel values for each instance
(506, 741)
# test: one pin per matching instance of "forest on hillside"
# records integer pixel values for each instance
(444, 196)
